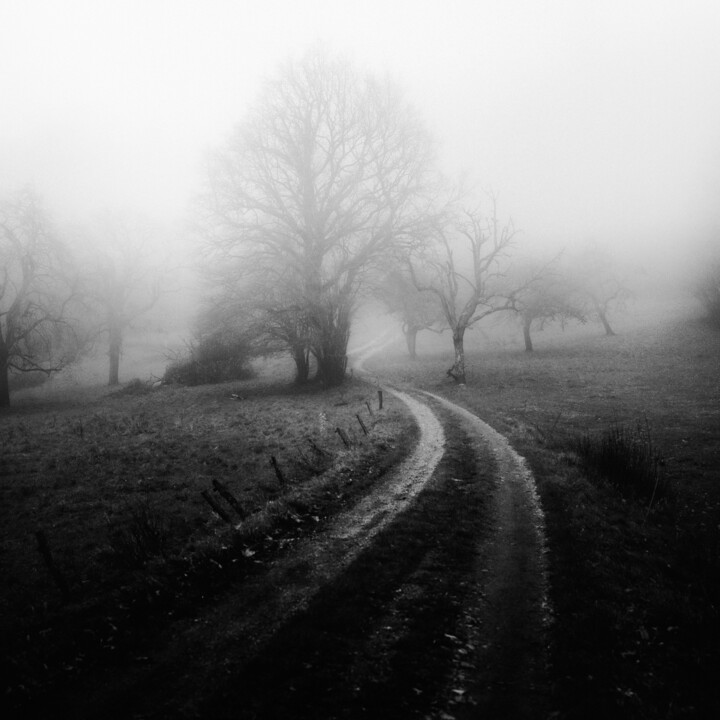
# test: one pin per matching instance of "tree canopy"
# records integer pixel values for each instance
(36, 293)
(320, 182)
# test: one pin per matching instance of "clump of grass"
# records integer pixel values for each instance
(143, 536)
(627, 458)
(136, 386)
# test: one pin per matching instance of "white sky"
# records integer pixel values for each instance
(588, 118)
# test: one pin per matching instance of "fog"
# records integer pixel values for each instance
(590, 121)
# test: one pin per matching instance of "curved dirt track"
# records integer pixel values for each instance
(511, 613)
(427, 598)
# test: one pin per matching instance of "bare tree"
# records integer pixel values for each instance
(315, 187)
(124, 281)
(266, 315)
(600, 285)
(464, 269)
(546, 296)
(36, 293)
(418, 310)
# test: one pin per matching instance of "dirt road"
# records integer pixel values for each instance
(427, 598)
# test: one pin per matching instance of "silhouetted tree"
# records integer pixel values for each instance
(314, 188)
(463, 266)
(266, 315)
(37, 293)
(600, 287)
(123, 280)
(418, 310)
(546, 296)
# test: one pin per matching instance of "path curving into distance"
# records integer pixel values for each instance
(509, 613)
(426, 598)
(508, 618)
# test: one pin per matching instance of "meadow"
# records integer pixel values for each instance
(116, 485)
(635, 576)
(112, 479)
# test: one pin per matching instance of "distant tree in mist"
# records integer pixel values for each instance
(463, 264)
(267, 316)
(38, 293)
(707, 290)
(123, 281)
(546, 296)
(417, 309)
(600, 285)
(317, 185)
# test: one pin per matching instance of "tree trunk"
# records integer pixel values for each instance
(114, 353)
(603, 319)
(526, 335)
(331, 368)
(457, 371)
(411, 340)
(332, 331)
(301, 356)
(4, 383)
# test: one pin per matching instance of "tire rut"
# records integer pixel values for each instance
(501, 664)
(378, 641)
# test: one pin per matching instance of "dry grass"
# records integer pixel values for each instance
(636, 593)
(114, 481)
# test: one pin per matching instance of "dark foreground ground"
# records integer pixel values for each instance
(635, 581)
(158, 628)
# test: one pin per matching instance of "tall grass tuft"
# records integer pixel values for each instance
(143, 536)
(627, 458)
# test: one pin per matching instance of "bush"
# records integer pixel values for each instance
(627, 458)
(216, 358)
(22, 380)
(136, 386)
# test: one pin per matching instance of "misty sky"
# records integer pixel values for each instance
(589, 119)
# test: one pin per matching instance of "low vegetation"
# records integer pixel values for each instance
(215, 358)
(635, 579)
(119, 485)
(626, 457)
(108, 532)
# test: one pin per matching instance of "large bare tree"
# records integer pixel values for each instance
(317, 184)
(36, 293)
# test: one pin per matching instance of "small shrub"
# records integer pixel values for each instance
(136, 386)
(144, 535)
(216, 358)
(22, 380)
(626, 457)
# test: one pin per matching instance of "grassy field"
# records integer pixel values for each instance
(113, 480)
(635, 579)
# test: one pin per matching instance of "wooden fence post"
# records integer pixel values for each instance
(362, 424)
(229, 498)
(216, 508)
(343, 436)
(278, 471)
